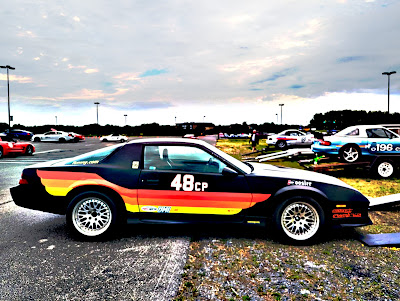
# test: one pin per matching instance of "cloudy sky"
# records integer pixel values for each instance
(223, 61)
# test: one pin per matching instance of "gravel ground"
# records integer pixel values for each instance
(258, 268)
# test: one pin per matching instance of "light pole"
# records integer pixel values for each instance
(97, 111)
(125, 118)
(277, 118)
(281, 105)
(56, 120)
(8, 93)
(388, 74)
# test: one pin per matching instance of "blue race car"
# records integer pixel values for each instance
(360, 140)
(19, 134)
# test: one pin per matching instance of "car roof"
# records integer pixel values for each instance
(169, 140)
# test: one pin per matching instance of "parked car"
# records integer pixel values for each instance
(354, 142)
(77, 137)
(114, 138)
(289, 138)
(19, 134)
(57, 136)
(186, 181)
(8, 146)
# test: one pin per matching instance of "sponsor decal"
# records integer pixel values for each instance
(299, 183)
(148, 209)
(164, 209)
(344, 213)
(135, 164)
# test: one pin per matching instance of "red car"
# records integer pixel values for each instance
(77, 137)
(8, 146)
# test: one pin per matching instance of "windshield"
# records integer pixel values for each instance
(244, 167)
(93, 157)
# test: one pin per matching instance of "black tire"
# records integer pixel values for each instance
(383, 168)
(37, 139)
(76, 139)
(299, 220)
(122, 141)
(92, 215)
(104, 140)
(29, 150)
(1, 152)
(62, 140)
(281, 144)
(350, 153)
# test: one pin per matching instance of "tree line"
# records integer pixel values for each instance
(320, 121)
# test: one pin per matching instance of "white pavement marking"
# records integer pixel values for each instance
(21, 162)
(48, 151)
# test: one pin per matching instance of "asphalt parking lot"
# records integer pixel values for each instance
(41, 261)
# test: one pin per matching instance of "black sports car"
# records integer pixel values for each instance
(185, 181)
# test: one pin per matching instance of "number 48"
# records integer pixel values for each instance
(188, 183)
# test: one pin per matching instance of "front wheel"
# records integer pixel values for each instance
(281, 144)
(37, 139)
(92, 215)
(299, 219)
(29, 150)
(1, 152)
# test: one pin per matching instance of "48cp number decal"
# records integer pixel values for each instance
(187, 183)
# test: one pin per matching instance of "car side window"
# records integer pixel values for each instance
(354, 132)
(181, 158)
(377, 133)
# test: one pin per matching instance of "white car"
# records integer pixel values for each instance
(290, 138)
(57, 136)
(114, 138)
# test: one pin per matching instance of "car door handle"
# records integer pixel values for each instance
(151, 182)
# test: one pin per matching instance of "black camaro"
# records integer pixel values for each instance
(186, 181)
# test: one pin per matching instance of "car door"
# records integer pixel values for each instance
(48, 136)
(383, 142)
(185, 182)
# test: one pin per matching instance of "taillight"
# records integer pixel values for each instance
(23, 181)
(323, 142)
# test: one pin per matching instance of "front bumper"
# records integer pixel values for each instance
(36, 198)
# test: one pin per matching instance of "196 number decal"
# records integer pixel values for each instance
(187, 183)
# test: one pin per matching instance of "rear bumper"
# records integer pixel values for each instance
(36, 198)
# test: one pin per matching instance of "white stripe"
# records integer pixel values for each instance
(49, 151)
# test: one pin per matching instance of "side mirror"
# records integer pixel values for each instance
(228, 172)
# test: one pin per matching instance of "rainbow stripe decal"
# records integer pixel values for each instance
(60, 183)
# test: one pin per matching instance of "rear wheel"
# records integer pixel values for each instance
(1, 152)
(299, 219)
(37, 139)
(350, 153)
(92, 215)
(61, 140)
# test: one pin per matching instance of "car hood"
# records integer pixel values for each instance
(296, 174)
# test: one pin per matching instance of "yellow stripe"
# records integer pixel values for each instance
(131, 208)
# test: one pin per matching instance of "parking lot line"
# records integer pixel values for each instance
(48, 151)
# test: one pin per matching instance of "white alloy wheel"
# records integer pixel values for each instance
(91, 216)
(385, 169)
(300, 221)
(350, 154)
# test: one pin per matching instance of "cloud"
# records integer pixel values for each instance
(348, 59)
(16, 78)
(93, 70)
